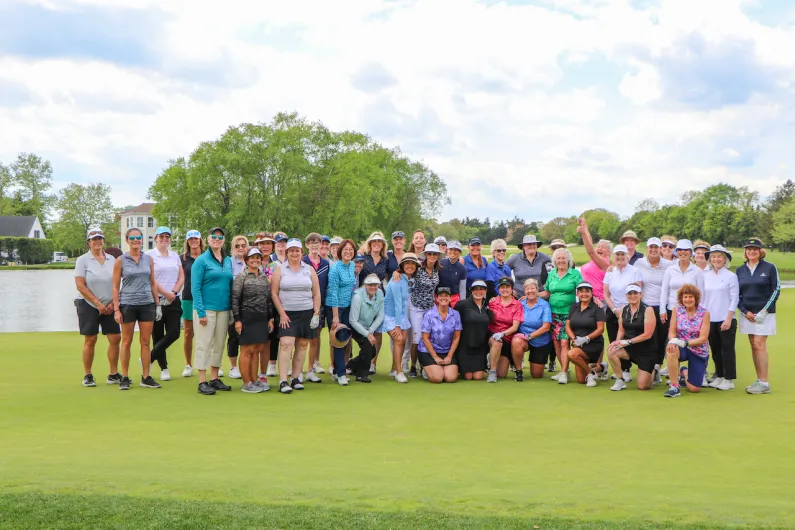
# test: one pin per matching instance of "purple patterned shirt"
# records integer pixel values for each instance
(689, 328)
(441, 331)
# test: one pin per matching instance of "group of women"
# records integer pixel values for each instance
(446, 317)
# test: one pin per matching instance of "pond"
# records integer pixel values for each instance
(43, 300)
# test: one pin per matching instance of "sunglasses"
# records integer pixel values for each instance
(217, 238)
(241, 246)
(668, 245)
(135, 238)
(501, 250)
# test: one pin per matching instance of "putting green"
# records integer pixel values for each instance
(468, 454)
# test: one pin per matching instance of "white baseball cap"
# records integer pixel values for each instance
(654, 241)
(432, 247)
(684, 244)
(620, 248)
(294, 243)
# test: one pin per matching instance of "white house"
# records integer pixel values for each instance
(21, 226)
(139, 217)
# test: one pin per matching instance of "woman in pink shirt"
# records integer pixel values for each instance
(593, 272)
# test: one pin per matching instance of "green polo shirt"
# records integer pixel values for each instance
(562, 291)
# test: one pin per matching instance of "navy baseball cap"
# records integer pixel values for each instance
(325, 239)
(474, 241)
(280, 238)
(358, 257)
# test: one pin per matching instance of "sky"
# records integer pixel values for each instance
(531, 108)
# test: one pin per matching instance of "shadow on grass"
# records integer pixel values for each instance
(69, 510)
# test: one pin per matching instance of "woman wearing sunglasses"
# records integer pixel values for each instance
(134, 295)
(211, 286)
(667, 247)
(497, 268)
(239, 249)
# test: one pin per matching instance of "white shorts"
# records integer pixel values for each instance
(416, 316)
(766, 328)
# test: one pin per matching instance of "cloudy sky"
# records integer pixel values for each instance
(531, 108)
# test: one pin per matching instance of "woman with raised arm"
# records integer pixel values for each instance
(134, 295)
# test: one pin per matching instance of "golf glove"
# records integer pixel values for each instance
(498, 336)
(623, 343)
(158, 313)
(581, 341)
(760, 316)
(315, 322)
(677, 342)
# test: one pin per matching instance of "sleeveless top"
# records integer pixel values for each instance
(689, 328)
(295, 288)
(634, 325)
(136, 287)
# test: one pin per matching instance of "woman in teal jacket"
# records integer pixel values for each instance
(211, 286)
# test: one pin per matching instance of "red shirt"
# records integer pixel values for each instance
(504, 316)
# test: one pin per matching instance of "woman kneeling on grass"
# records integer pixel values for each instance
(366, 317)
(508, 315)
(134, 295)
(533, 332)
(441, 332)
(636, 341)
(474, 345)
(252, 309)
(687, 341)
(584, 326)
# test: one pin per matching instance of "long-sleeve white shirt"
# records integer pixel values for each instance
(652, 279)
(674, 278)
(721, 293)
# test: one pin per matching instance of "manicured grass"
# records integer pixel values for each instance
(463, 455)
(43, 266)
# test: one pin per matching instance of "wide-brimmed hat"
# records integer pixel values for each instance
(684, 244)
(528, 240)
(718, 248)
(754, 242)
(557, 243)
(264, 239)
(372, 279)
(340, 336)
(629, 234)
(410, 256)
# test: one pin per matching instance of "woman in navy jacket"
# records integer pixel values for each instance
(759, 290)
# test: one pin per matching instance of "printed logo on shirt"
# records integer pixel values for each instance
(763, 275)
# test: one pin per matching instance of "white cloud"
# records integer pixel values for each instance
(564, 102)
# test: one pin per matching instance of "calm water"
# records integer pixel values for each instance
(43, 300)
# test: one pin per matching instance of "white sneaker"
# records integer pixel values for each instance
(301, 377)
(618, 385)
(590, 380)
(313, 378)
(392, 374)
(164, 375)
(317, 368)
(234, 373)
(188, 371)
(372, 368)
(664, 372)
(334, 377)
(220, 373)
(725, 384)
(715, 382)
(704, 382)
(603, 375)
(424, 374)
(406, 360)
(564, 378)
(401, 378)
(627, 376)
(271, 370)
(348, 371)
(556, 376)
(343, 380)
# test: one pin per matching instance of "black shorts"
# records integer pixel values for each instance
(540, 354)
(137, 313)
(299, 325)
(426, 359)
(89, 321)
(642, 356)
(505, 351)
(255, 328)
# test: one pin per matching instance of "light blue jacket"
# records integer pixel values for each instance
(396, 303)
(367, 313)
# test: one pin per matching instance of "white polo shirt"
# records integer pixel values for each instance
(674, 278)
(652, 279)
(166, 268)
(721, 293)
(617, 280)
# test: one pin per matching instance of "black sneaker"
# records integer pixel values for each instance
(114, 379)
(125, 383)
(413, 372)
(88, 380)
(149, 382)
(285, 388)
(206, 389)
(217, 384)
(296, 384)
(364, 379)
(519, 376)
(551, 367)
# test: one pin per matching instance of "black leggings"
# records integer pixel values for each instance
(233, 341)
(274, 338)
(723, 353)
(360, 365)
(661, 333)
(166, 331)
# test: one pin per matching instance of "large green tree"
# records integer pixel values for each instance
(297, 176)
(81, 207)
(31, 178)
